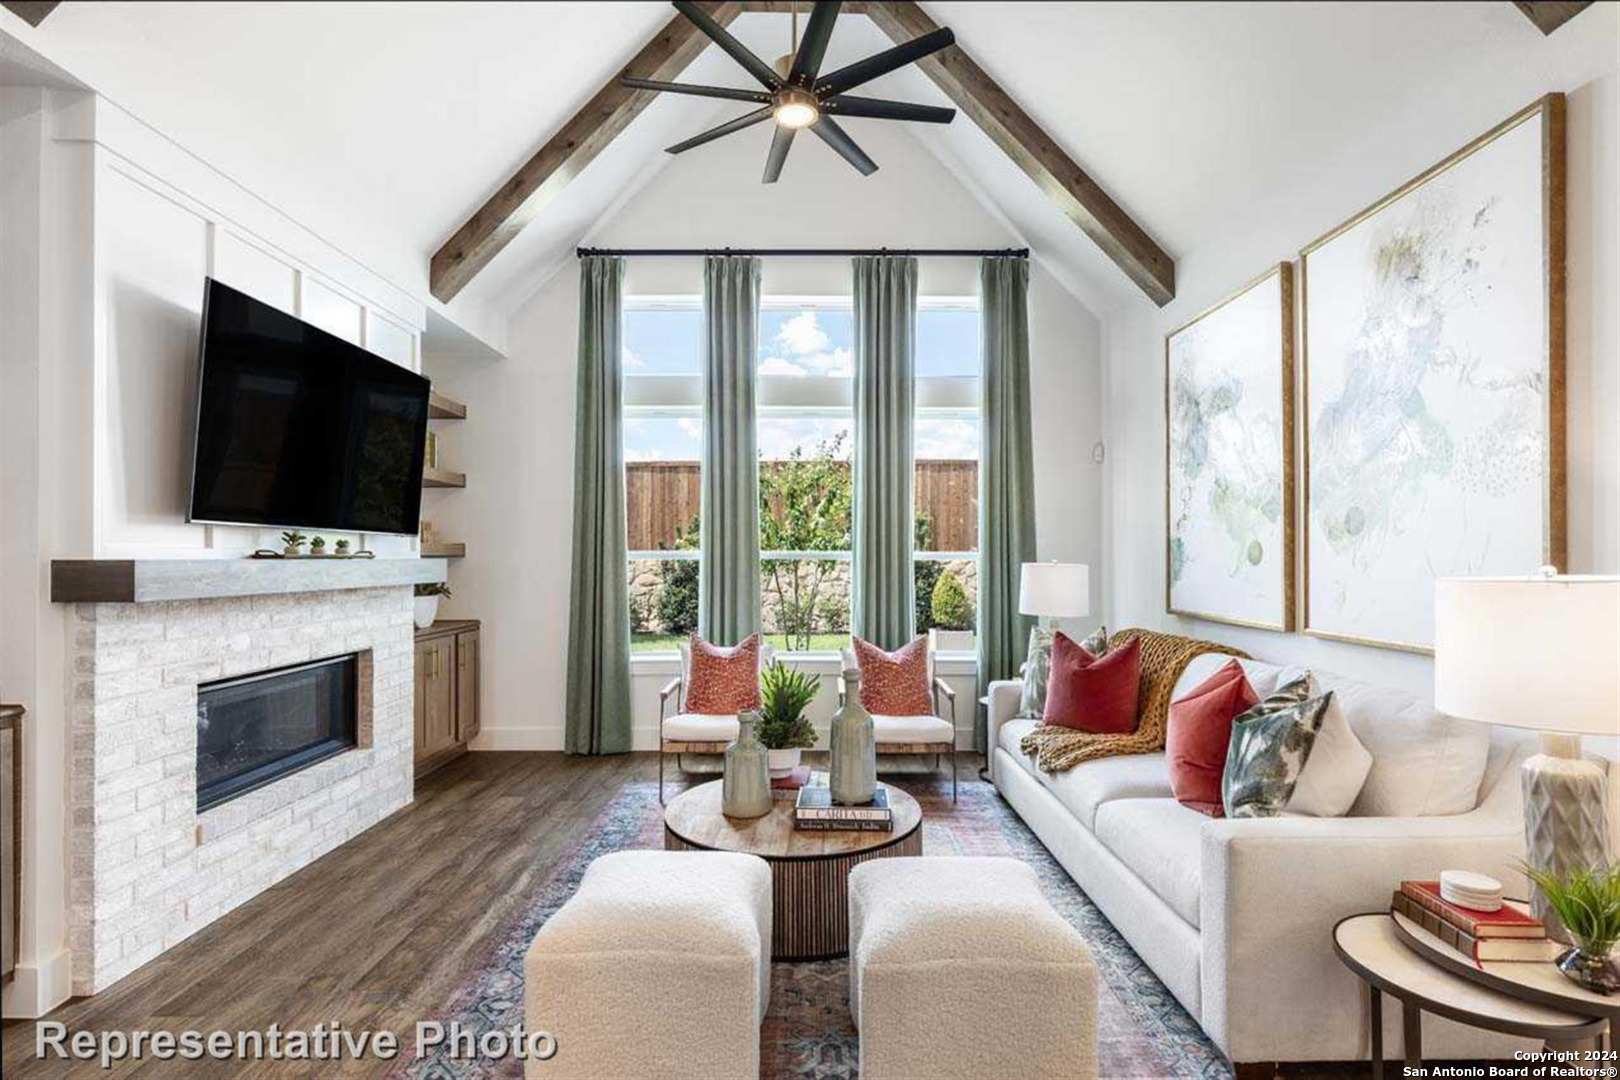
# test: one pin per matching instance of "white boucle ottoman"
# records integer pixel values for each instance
(960, 968)
(657, 967)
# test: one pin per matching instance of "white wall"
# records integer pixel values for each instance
(1379, 152)
(107, 232)
(517, 444)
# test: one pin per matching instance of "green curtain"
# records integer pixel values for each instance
(1006, 470)
(598, 716)
(885, 325)
(728, 579)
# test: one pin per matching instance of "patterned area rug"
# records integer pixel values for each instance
(808, 1034)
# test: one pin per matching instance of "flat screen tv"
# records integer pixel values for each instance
(299, 429)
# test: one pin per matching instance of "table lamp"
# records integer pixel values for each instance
(1541, 653)
(1054, 590)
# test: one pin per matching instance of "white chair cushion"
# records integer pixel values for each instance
(1159, 840)
(700, 727)
(911, 729)
(1090, 784)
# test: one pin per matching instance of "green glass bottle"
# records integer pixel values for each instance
(853, 774)
(745, 792)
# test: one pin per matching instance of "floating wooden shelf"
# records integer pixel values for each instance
(443, 550)
(443, 478)
(444, 408)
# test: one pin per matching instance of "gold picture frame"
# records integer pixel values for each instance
(1283, 275)
(1550, 111)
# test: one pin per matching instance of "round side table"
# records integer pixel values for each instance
(809, 870)
(1372, 946)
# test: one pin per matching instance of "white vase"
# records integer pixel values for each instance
(782, 762)
(427, 609)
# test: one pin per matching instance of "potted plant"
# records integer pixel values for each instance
(427, 602)
(342, 547)
(292, 543)
(785, 695)
(317, 546)
(1587, 902)
(952, 616)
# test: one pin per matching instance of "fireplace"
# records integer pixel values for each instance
(254, 729)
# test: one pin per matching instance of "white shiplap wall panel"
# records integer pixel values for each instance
(389, 340)
(325, 307)
(245, 266)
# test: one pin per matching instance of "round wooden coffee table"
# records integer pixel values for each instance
(809, 870)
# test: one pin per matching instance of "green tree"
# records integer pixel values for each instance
(952, 611)
(678, 600)
(804, 505)
(924, 573)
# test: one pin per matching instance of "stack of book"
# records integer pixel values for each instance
(816, 810)
(1509, 933)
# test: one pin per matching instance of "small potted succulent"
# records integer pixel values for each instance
(317, 546)
(292, 543)
(785, 695)
(1587, 902)
(427, 602)
(342, 547)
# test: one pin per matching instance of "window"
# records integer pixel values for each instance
(663, 446)
(806, 440)
(946, 469)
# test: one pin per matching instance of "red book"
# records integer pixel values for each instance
(1480, 951)
(794, 780)
(1509, 922)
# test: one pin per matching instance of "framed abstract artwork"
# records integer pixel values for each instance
(1434, 386)
(1229, 458)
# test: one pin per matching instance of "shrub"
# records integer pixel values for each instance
(678, 601)
(925, 575)
(951, 609)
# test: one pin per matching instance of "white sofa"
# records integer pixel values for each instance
(1236, 917)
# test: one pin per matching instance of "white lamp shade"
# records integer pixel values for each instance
(1539, 653)
(1055, 590)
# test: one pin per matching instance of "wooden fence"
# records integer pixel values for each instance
(664, 497)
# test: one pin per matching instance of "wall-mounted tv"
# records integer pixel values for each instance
(299, 429)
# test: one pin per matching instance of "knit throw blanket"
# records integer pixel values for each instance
(1164, 657)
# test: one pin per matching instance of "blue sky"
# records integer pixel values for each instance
(794, 343)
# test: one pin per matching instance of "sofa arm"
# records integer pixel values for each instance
(1271, 890)
(1003, 695)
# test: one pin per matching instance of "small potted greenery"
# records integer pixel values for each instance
(317, 546)
(292, 543)
(785, 695)
(427, 602)
(952, 615)
(1587, 902)
(342, 547)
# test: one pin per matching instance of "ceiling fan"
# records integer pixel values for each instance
(798, 96)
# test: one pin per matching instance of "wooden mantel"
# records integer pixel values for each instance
(141, 581)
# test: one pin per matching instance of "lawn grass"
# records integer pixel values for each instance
(648, 642)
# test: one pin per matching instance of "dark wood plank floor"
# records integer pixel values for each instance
(375, 934)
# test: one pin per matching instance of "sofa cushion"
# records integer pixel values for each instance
(1158, 839)
(912, 729)
(1199, 732)
(1335, 771)
(700, 727)
(1090, 784)
(1092, 693)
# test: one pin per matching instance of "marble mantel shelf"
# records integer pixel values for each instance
(141, 581)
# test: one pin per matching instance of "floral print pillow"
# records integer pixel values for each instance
(1270, 744)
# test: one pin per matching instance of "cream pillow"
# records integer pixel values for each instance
(1335, 770)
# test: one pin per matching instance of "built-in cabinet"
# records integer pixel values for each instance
(446, 691)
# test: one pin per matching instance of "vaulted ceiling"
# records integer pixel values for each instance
(385, 127)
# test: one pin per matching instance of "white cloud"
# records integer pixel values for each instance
(953, 440)
(775, 365)
(802, 335)
(690, 427)
(630, 360)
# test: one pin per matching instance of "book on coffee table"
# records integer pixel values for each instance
(815, 809)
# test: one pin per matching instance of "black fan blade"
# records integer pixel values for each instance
(745, 120)
(879, 109)
(756, 67)
(837, 138)
(780, 145)
(696, 90)
(863, 71)
(813, 46)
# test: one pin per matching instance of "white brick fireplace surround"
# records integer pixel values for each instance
(147, 869)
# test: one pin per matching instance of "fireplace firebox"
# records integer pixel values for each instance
(254, 729)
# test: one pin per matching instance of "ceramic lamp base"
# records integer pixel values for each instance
(1565, 819)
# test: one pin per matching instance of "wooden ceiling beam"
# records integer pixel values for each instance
(32, 12)
(575, 145)
(1549, 15)
(1063, 181)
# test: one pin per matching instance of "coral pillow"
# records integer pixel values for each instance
(1200, 730)
(1094, 693)
(894, 683)
(724, 682)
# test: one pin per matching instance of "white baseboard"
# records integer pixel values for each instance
(38, 988)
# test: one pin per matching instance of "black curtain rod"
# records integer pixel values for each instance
(976, 253)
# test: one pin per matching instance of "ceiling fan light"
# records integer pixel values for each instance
(796, 109)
